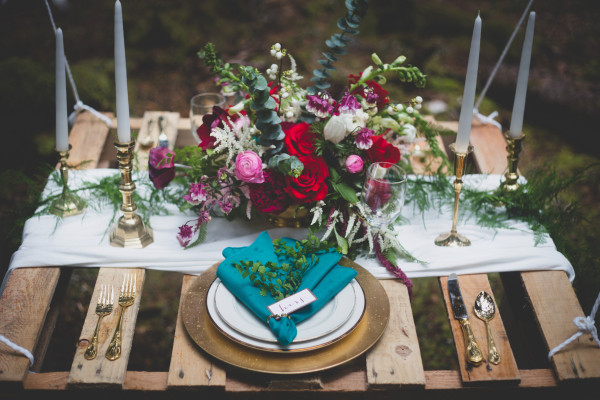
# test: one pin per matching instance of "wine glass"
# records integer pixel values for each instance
(200, 105)
(383, 193)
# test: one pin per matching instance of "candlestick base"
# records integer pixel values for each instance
(130, 231)
(68, 203)
(513, 147)
(452, 238)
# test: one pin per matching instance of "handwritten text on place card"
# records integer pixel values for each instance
(292, 303)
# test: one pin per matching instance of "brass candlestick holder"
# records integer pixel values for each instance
(67, 203)
(513, 146)
(130, 231)
(453, 238)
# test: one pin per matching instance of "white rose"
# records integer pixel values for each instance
(409, 132)
(335, 129)
(356, 120)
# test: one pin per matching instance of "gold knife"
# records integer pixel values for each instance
(474, 355)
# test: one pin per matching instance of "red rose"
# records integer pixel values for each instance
(299, 140)
(310, 186)
(382, 151)
(269, 197)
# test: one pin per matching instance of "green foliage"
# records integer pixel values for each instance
(283, 279)
(357, 9)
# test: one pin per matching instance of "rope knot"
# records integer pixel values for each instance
(585, 325)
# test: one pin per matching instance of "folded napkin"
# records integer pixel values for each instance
(325, 279)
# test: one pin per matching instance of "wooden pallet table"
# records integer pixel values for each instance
(393, 367)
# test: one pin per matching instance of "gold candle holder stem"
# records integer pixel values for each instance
(130, 231)
(453, 238)
(513, 147)
(67, 203)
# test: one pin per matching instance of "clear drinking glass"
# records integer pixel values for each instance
(383, 193)
(200, 105)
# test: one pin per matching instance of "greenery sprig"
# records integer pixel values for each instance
(348, 24)
(284, 279)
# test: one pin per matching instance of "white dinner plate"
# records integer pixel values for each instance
(325, 339)
(329, 318)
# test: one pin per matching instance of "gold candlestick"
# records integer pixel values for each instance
(513, 146)
(453, 238)
(130, 231)
(67, 203)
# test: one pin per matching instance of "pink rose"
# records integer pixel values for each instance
(354, 164)
(248, 167)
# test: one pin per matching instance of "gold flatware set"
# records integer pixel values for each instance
(104, 307)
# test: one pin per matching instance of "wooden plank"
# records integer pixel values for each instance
(149, 132)
(556, 305)
(23, 307)
(189, 366)
(506, 371)
(489, 148)
(101, 372)
(87, 139)
(395, 360)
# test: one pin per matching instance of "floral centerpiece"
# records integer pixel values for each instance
(285, 148)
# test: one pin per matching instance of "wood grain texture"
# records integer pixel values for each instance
(101, 372)
(23, 307)
(507, 371)
(87, 139)
(190, 367)
(489, 148)
(555, 306)
(395, 360)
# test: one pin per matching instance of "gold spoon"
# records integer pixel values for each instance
(148, 141)
(485, 309)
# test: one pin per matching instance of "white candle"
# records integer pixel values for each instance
(123, 128)
(62, 127)
(516, 122)
(468, 100)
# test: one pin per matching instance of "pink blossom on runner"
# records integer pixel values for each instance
(393, 268)
(185, 235)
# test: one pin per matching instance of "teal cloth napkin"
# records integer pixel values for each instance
(325, 279)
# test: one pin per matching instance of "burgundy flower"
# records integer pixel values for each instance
(218, 119)
(310, 186)
(161, 166)
(349, 103)
(382, 151)
(269, 197)
(322, 105)
(373, 89)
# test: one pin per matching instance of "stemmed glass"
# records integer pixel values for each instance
(200, 105)
(383, 193)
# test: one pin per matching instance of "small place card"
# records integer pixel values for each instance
(292, 303)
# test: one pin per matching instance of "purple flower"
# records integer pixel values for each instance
(197, 194)
(185, 235)
(349, 103)
(364, 138)
(370, 96)
(321, 105)
(161, 166)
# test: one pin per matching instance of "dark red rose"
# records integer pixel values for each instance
(161, 166)
(382, 94)
(310, 186)
(382, 151)
(269, 197)
(218, 119)
(299, 140)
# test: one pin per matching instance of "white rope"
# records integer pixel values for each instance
(487, 119)
(18, 348)
(79, 106)
(584, 325)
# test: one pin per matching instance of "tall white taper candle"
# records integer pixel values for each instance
(516, 121)
(123, 128)
(468, 100)
(62, 126)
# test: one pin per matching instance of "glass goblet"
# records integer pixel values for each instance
(383, 193)
(200, 105)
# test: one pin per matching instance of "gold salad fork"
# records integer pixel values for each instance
(126, 299)
(104, 307)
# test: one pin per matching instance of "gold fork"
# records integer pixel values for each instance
(126, 299)
(103, 307)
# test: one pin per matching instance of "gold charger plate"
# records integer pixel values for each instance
(210, 339)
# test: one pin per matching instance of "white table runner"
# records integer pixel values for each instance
(82, 241)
